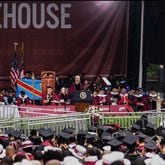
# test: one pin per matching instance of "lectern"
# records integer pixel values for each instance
(81, 99)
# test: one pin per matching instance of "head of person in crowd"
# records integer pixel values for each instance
(7, 161)
(47, 136)
(53, 162)
(79, 151)
(85, 84)
(10, 151)
(77, 79)
(63, 91)
(112, 158)
(51, 155)
(19, 156)
(162, 146)
(27, 75)
(27, 146)
(153, 93)
(49, 90)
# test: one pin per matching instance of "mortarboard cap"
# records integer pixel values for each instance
(90, 136)
(103, 128)
(65, 135)
(150, 125)
(162, 141)
(92, 129)
(69, 130)
(130, 139)
(155, 138)
(46, 133)
(82, 132)
(135, 127)
(106, 136)
(114, 143)
(150, 145)
(141, 136)
(161, 131)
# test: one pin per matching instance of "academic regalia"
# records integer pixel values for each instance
(95, 100)
(90, 160)
(139, 102)
(131, 100)
(104, 100)
(46, 143)
(74, 87)
(115, 97)
(50, 99)
(64, 97)
(152, 99)
(123, 99)
(23, 100)
(147, 103)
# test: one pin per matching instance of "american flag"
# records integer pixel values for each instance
(22, 63)
(14, 72)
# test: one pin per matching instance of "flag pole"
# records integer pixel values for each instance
(33, 78)
(141, 46)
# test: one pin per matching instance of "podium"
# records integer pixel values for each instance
(81, 99)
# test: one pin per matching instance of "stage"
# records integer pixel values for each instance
(33, 110)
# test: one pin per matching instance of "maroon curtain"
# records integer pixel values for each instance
(95, 44)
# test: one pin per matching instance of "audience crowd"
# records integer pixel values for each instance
(141, 144)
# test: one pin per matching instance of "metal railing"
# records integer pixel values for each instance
(11, 117)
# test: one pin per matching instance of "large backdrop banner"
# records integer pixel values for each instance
(65, 37)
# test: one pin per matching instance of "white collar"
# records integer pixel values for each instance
(155, 95)
(91, 159)
(140, 95)
(114, 93)
(125, 94)
(25, 97)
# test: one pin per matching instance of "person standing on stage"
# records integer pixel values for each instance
(76, 85)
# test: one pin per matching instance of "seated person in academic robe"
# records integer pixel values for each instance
(76, 85)
(114, 96)
(10, 98)
(50, 98)
(103, 98)
(139, 100)
(95, 98)
(64, 97)
(22, 99)
(152, 98)
(123, 97)
(131, 97)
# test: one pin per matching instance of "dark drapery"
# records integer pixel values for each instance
(154, 32)
(96, 43)
(134, 42)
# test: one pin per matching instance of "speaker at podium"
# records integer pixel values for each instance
(81, 99)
